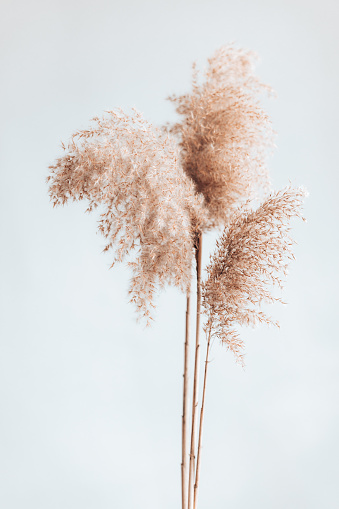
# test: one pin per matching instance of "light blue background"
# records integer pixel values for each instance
(90, 402)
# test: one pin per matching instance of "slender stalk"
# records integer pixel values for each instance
(198, 253)
(185, 408)
(196, 484)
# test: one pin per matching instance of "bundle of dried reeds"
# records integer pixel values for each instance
(161, 189)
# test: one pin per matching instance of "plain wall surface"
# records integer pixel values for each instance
(90, 402)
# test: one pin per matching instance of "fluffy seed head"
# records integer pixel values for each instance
(251, 255)
(149, 205)
(225, 136)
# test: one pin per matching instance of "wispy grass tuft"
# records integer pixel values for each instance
(132, 171)
(251, 256)
(224, 134)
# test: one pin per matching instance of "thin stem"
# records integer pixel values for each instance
(198, 253)
(196, 484)
(185, 408)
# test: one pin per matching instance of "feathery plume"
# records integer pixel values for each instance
(224, 133)
(252, 254)
(150, 206)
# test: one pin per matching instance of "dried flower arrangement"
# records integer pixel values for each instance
(161, 189)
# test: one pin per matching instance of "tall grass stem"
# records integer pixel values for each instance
(184, 477)
(198, 254)
(197, 471)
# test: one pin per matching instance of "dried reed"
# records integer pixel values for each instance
(251, 256)
(225, 138)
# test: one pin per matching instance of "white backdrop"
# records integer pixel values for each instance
(90, 402)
